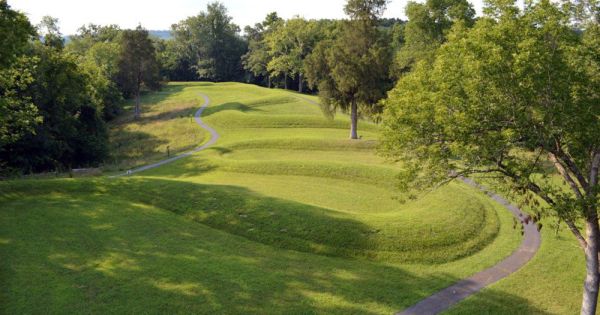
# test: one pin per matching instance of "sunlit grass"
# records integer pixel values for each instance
(283, 215)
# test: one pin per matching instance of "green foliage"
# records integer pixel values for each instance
(52, 37)
(351, 75)
(510, 97)
(72, 132)
(138, 66)
(288, 45)
(496, 99)
(16, 31)
(209, 45)
(427, 28)
(98, 49)
(257, 58)
(18, 115)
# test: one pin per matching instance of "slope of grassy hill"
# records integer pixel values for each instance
(282, 215)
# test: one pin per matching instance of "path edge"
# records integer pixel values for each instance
(214, 136)
(448, 297)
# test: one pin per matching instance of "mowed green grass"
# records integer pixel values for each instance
(99, 246)
(158, 132)
(283, 215)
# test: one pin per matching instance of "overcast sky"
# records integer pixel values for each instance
(160, 14)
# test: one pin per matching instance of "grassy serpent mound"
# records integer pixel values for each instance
(282, 215)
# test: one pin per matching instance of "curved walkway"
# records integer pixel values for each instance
(451, 295)
(214, 136)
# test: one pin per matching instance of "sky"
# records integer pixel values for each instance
(160, 14)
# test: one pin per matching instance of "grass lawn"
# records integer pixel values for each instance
(283, 215)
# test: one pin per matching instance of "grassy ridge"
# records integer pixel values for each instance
(280, 217)
(309, 228)
(77, 247)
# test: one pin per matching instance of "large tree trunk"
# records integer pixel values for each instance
(592, 279)
(269, 79)
(285, 81)
(354, 121)
(300, 78)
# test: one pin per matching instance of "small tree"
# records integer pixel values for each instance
(508, 98)
(52, 37)
(137, 65)
(352, 70)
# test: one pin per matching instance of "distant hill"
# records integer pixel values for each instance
(154, 33)
(161, 34)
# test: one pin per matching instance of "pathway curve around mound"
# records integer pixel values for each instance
(451, 295)
(214, 136)
(447, 297)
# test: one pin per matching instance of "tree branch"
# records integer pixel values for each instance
(538, 191)
(572, 167)
(565, 174)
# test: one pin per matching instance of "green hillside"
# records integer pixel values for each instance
(282, 215)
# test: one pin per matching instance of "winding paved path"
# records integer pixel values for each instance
(451, 295)
(447, 297)
(214, 136)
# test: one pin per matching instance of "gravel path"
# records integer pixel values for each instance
(214, 136)
(449, 296)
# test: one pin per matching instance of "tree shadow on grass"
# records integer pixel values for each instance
(186, 112)
(493, 301)
(98, 247)
(232, 106)
(131, 148)
(148, 98)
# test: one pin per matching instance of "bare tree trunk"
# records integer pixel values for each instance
(269, 79)
(300, 78)
(592, 279)
(354, 121)
(285, 81)
(137, 111)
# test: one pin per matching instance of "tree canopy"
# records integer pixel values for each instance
(210, 45)
(18, 114)
(257, 58)
(427, 28)
(352, 75)
(138, 66)
(508, 98)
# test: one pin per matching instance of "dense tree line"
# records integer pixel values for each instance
(104, 65)
(55, 99)
(205, 47)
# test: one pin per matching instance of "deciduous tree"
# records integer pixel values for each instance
(138, 66)
(18, 114)
(512, 96)
(257, 58)
(289, 45)
(210, 44)
(426, 29)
